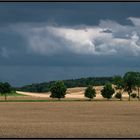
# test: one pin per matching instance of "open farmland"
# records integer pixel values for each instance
(71, 94)
(70, 119)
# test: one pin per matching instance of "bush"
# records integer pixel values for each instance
(118, 95)
(133, 95)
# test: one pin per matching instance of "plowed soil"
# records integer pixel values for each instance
(105, 119)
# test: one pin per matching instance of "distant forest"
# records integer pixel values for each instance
(82, 82)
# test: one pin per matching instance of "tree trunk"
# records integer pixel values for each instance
(129, 97)
(5, 97)
(59, 99)
(121, 94)
(121, 97)
(138, 94)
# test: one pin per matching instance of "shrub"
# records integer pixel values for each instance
(118, 95)
(133, 95)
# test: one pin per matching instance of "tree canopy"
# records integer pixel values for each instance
(90, 92)
(107, 91)
(130, 81)
(5, 88)
(58, 90)
(82, 82)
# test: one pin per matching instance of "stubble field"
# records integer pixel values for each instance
(106, 119)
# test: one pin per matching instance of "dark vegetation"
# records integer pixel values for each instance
(5, 89)
(58, 90)
(118, 95)
(82, 82)
(107, 91)
(90, 92)
(128, 83)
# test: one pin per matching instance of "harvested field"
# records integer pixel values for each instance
(106, 119)
(72, 93)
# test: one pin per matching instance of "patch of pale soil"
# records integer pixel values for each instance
(75, 93)
(33, 94)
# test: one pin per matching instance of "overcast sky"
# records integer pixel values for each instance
(50, 41)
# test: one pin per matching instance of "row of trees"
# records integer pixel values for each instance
(129, 82)
(58, 90)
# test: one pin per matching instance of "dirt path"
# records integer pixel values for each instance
(34, 94)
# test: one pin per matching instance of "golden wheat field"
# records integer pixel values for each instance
(72, 93)
(106, 119)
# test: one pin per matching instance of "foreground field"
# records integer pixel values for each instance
(70, 119)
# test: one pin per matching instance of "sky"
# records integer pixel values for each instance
(45, 41)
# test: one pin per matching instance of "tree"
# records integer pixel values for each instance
(130, 80)
(58, 90)
(119, 85)
(138, 84)
(90, 92)
(5, 88)
(107, 91)
(82, 82)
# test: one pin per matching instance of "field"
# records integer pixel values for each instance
(106, 119)
(72, 94)
(35, 115)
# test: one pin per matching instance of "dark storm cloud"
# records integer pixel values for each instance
(48, 41)
(67, 13)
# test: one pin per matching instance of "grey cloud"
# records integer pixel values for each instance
(50, 39)
(135, 21)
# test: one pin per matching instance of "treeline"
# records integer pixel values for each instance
(82, 82)
(128, 83)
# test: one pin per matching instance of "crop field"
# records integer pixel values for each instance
(106, 119)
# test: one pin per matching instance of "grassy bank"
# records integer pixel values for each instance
(13, 93)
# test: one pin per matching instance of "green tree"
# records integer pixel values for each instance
(5, 88)
(130, 80)
(58, 90)
(119, 85)
(107, 91)
(90, 92)
(138, 84)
